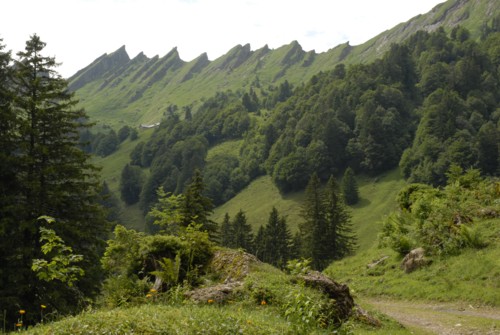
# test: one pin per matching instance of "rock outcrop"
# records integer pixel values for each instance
(414, 260)
(344, 303)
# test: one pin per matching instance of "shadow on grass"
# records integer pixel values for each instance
(363, 202)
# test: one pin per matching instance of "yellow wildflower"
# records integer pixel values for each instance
(20, 324)
(43, 306)
(22, 311)
(263, 302)
(210, 301)
(152, 290)
(149, 295)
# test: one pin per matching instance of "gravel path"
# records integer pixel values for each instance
(442, 318)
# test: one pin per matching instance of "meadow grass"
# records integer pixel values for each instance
(472, 277)
(377, 198)
(257, 201)
(244, 313)
(231, 148)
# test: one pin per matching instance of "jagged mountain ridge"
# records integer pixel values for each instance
(116, 89)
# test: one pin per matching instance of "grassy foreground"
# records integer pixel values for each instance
(268, 302)
(472, 277)
(194, 319)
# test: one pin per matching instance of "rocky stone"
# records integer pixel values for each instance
(363, 316)
(214, 294)
(414, 260)
(377, 262)
(233, 265)
(344, 303)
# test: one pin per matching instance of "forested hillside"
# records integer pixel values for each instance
(422, 101)
(118, 89)
(427, 103)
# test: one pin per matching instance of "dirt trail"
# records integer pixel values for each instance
(441, 318)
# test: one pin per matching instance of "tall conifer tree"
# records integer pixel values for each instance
(226, 232)
(325, 230)
(9, 188)
(197, 207)
(54, 178)
(341, 239)
(243, 236)
(260, 244)
(277, 240)
(313, 227)
(349, 187)
(130, 184)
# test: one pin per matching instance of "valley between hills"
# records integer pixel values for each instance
(269, 191)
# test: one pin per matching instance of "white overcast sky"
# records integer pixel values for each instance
(79, 31)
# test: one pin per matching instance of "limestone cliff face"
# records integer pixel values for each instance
(102, 65)
(196, 66)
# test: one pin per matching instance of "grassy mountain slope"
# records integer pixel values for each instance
(115, 87)
(472, 277)
(377, 198)
(470, 14)
(117, 90)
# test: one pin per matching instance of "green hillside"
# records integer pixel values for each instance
(470, 279)
(268, 137)
(257, 200)
(422, 106)
(138, 91)
(377, 198)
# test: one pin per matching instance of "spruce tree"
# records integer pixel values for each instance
(284, 243)
(243, 236)
(313, 228)
(325, 230)
(197, 207)
(349, 187)
(270, 254)
(260, 244)
(226, 232)
(130, 184)
(8, 134)
(11, 277)
(341, 239)
(8, 131)
(110, 202)
(54, 177)
(277, 240)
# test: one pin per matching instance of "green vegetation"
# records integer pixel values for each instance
(258, 198)
(442, 221)
(245, 313)
(349, 187)
(369, 118)
(273, 242)
(462, 257)
(43, 172)
(248, 132)
(115, 88)
(471, 277)
(325, 230)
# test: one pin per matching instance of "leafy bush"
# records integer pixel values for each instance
(442, 221)
(134, 261)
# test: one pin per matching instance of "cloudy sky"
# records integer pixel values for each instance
(78, 31)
